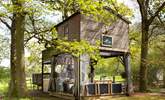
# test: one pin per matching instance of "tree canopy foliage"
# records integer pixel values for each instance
(4, 47)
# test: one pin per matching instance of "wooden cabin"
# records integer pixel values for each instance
(70, 75)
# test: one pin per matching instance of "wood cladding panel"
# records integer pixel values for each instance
(92, 31)
(70, 29)
(74, 28)
(81, 27)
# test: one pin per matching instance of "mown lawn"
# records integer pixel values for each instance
(41, 96)
(137, 97)
(3, 88)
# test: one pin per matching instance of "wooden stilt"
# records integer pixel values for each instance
(129, 88)
(77, 79)
(52, 83)
(42, 74)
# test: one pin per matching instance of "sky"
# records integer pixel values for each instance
(56, 17)
(5, 63)
(132, 4)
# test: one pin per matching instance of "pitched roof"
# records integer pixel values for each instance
(106, 8)
(67, 19)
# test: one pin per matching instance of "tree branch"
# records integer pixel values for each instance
(152, 31)
(147, 3)
(116, 13)
(113, 4)
(156, 13)
(5, 23)
(29, 38)
(160, 20)
(143, 10)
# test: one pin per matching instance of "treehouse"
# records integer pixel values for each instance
(73, 77)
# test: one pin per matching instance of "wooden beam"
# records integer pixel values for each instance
(113, 49)
(129, 86)
(117, 14)
(77, 78)
(42, 74)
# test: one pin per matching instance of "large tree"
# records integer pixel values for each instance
(150, 10)
(18, 82)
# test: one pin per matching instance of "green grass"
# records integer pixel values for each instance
(144, 97)
(17, 98)
(117, 78)
(154, 90)
(3, 87)
(129, 98)
(29, 83)
(5, 83)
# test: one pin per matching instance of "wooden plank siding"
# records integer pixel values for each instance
(92, 31)
(70, 28)
(80, 27)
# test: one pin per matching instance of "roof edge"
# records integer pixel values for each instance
(106, 8)
(117, 14)
(76, 13)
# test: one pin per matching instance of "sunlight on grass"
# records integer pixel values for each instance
(18, 99)
(128, 98)
(144, 97)
(29, 83)
(117, 78)
(3, 87)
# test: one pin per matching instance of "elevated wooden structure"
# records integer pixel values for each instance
(70, 75)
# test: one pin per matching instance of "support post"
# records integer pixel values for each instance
(42, 73)
(129, 87)
(53, 76)
(77, 81)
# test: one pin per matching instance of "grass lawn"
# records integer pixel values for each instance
(134, 97)
(41, 96)
(101, 98)
(3, 88)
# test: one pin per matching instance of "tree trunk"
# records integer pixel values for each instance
(17, 86)
(164, 77)
(144, 53)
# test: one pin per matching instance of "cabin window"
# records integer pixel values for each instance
(106, 40)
